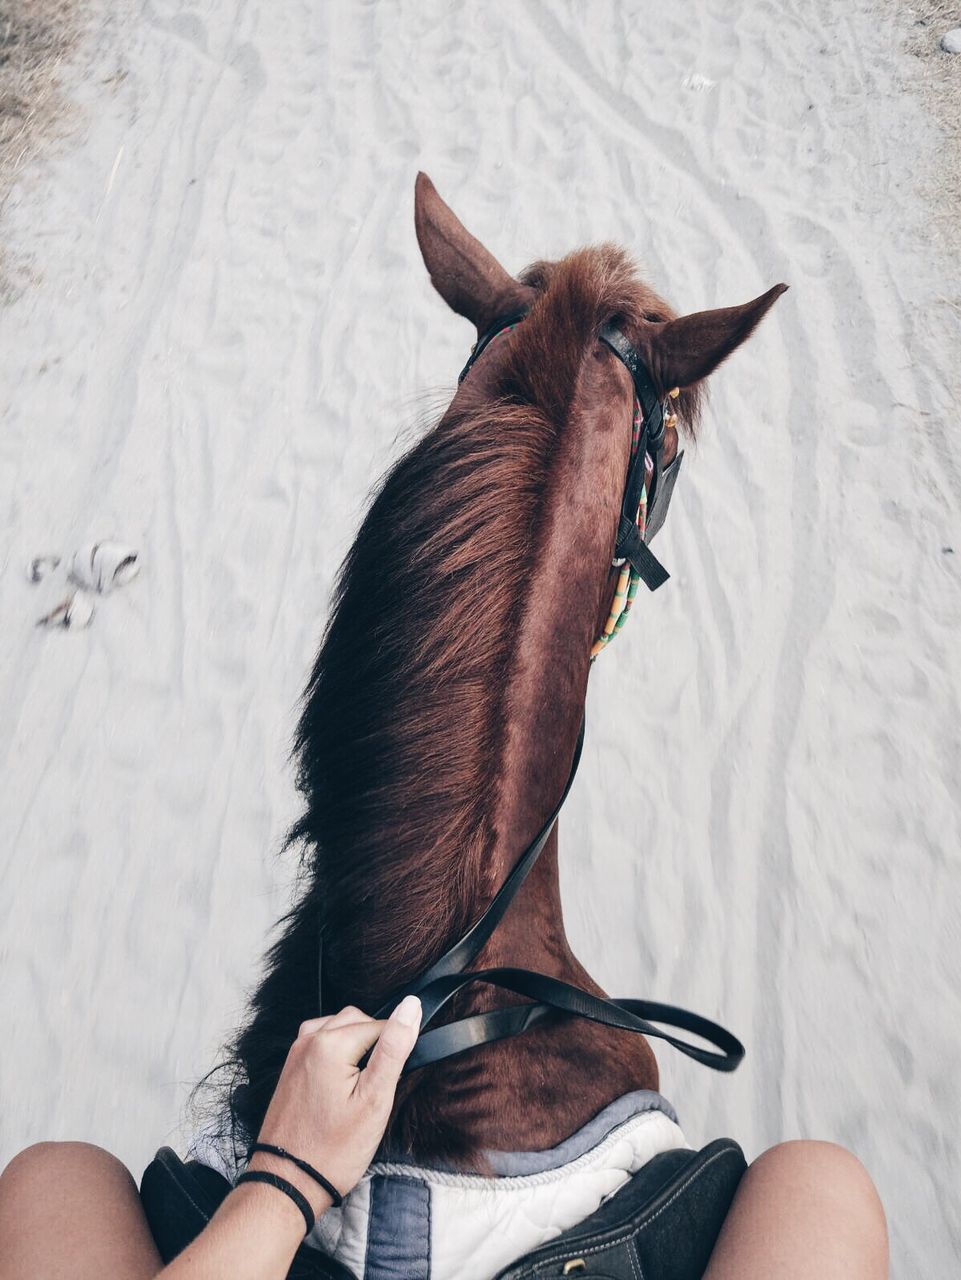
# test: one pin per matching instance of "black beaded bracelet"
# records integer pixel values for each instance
(269, 1149)
(288, 1188)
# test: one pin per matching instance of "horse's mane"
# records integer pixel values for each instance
(400, 740)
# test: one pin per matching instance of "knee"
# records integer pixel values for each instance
(45, 1160)
(812, 1158)
(824, 1170)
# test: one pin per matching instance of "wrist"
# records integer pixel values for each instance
(318, 1199)
(271, 1208)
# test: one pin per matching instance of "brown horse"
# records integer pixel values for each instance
(443, 709)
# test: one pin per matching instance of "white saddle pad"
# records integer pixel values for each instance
(402, 1222)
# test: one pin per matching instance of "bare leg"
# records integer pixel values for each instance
(70, 1211)
(804, 1211)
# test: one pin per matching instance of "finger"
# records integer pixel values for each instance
(347, 1016)
(397, 1039)
(313, 1024)
(342, 1018)
(349, 1042)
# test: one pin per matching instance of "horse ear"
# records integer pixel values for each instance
(685, 350)
(469, 279)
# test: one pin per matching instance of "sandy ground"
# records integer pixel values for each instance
(227, 333)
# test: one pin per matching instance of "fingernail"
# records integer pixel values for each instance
(408, 1012)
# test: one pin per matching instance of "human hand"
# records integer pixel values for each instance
(328, 1111)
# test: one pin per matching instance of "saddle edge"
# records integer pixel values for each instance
(661, 1225)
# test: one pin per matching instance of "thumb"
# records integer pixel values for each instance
(398, 1037)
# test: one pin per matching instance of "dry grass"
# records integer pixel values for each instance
(938, 82)
(36, 38)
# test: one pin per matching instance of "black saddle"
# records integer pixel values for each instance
(662, 1225)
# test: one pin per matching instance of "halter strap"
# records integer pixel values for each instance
(631, 545)
(488, 336)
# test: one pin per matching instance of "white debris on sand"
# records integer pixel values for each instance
(41, 567)
(96, 568)
(102, 566)
(951, 41)
(74, 613)
(697, 82)
(230, 330)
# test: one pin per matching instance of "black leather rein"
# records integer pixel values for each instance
(549, 996)
(449, 975)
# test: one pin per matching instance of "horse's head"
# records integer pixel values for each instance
(569, 307)
(680, 351)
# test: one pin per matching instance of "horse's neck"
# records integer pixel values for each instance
(386, 918)
(569, 585)
(547, 704)
(487, 1099)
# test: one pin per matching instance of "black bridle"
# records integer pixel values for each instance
(630, 544)
(449, 975)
